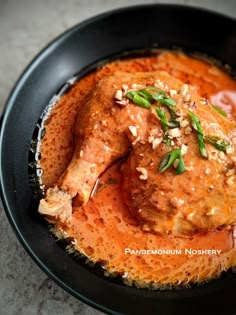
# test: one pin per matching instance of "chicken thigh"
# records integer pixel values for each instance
(100, 139)
(109, 126)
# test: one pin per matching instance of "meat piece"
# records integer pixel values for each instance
(199, 199)
(100, 138)
(56, 204)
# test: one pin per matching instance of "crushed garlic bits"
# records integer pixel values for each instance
(144, 173)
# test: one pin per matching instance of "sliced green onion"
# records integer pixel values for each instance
(167, 101)
(162, 115)
(162, 97)
(181, 166)
(154, 89)
(164, 124)
(173, 123)
(195, 121)
(218, 143)
(196, 124)
(219, 110)
(202, 147)
(168, 160)
(139, 99)
(144, 97)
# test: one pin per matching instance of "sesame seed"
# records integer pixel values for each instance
(213, 211)
(175, 133)
(123, 103)
(184, 149)
(150, 139)
(133, 130)
(203, 101)
(184, 90)
(187, 97)
(136, 86)
(104, 123)
(173, 92)
(159, 84)
(221, 155)
(125, 88)
(143, 171)
(190, 166)
(207, 171)
(81, 153)
(229, 150)
(156, 142)
(118, 95)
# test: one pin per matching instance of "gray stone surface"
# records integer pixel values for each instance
(26, 26)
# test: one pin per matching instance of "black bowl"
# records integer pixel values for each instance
(100, 38)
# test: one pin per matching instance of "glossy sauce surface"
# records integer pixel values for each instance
(104, 229)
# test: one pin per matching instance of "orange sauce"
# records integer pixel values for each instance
(104, 229)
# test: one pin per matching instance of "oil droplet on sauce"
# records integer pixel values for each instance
(104, 228)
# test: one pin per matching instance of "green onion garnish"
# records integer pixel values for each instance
(164, 100)
(168, 102)
(160, 96)
(168, 160)
(164, 124)
(173, 123)
(196, 124)
(217, 143)
(162, 115)
(145, 97)
(219, 110)
(139, 99)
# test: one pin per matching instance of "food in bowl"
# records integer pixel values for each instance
(139, 169)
